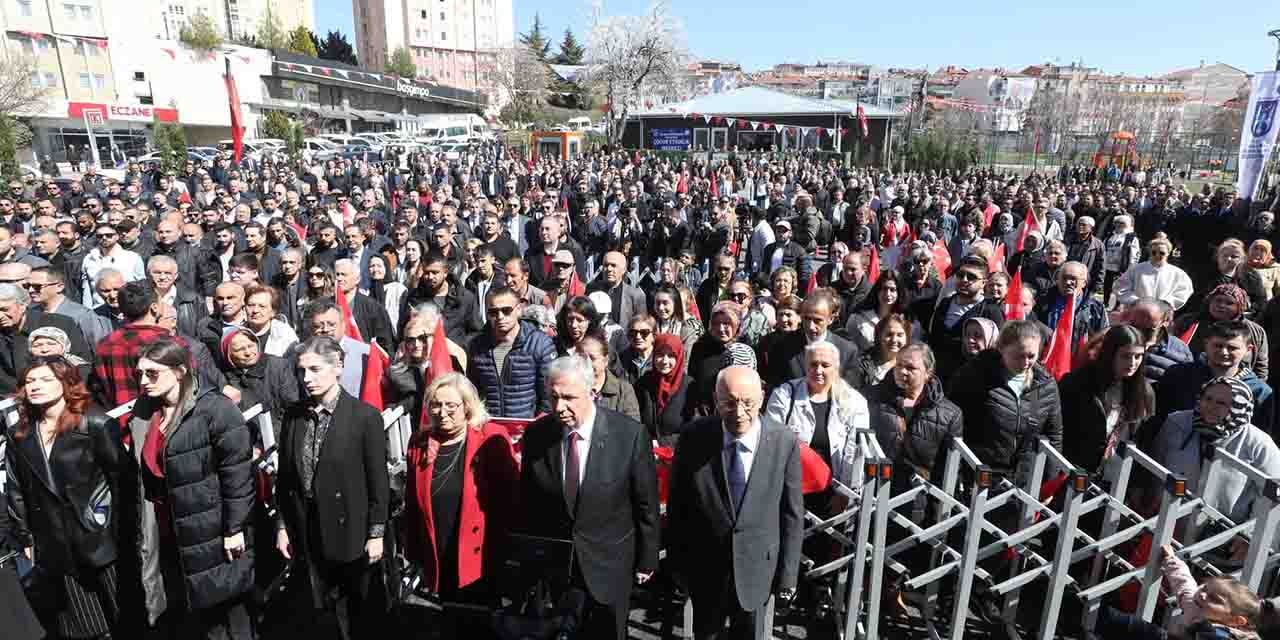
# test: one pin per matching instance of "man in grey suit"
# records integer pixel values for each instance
(517, 270)
(736, 512)
(47, 287)
(627, 299)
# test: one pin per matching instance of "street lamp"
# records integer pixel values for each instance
(1275, 33)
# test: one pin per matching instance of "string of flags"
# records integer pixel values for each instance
(756, 125)
(100, 43)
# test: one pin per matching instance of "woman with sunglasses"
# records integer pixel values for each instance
(320, 283)
(63, 470)
(194, 489)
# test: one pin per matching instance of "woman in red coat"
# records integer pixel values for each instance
(463, 477)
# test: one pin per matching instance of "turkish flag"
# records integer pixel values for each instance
(375, 371)
(233, 98)
(1190, 333)
(440, 363)
(1058, 357)
(1028, 223)
(351, 329)
(996, 263)
(813, 283)
(862, 120)
(715, 187)
(873, 264)
(576, 288)
(1013, 298)
(941, 258)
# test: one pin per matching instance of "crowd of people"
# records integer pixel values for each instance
(557, 331)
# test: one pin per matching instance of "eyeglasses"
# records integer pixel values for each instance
(150, 374)
(640, 333)
(967, 276)
(501, 311)
(37, 287)
(106, 235)
(447, 407)
(315, 274)
(739, 296)
(422, 339)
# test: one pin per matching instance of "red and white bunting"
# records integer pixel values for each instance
(706, 119)
(730, 121)
(755, 125)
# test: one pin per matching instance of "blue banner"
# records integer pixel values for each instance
(671, 139)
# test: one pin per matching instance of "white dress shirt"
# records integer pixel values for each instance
(583, 442)
(748, 445)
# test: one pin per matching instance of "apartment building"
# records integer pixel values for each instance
(67, 39)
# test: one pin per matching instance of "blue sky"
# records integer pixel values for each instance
(1132, 36)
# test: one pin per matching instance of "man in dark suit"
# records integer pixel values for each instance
(588, 476)
(628, 301)
(784, 359)
(17, 321)
(371, 317)
(333, 491)
(736, 512)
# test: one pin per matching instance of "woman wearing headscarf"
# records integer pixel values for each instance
(1222, 419)
(1231, 269)
(662, 391)
(705, 360)
(52, 342)
(1120, 252)
(1225, 302)
(383, 287)
(977, 335)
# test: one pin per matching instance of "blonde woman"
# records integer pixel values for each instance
(1231, 259)
(459, 498)
(1155, 278)
(823, 411)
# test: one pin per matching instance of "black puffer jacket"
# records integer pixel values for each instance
(919, 440)
(209, 493)
(274, 384)
(1000, 426)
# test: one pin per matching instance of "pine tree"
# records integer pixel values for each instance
(336, 47)
(570, 51)
(535, 40)
(271, 34)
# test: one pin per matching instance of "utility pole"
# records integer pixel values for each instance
(1275, 33)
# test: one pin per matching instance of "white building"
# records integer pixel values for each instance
(235, 19)
(448, 39)
(1000, 99)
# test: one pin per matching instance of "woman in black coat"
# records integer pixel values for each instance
(1105, 401)
(195, 493)
(16, 617)
(260, 377)
(1001, 426)
(63, 470)
(663, 391)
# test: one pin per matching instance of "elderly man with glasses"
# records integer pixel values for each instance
(17, 320)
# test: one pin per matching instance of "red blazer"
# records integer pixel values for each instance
(489, 487)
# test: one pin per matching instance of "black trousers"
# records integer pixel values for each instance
(712, 610)
(226, 621)
(340, 591)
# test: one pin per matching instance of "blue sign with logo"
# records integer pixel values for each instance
(1264, 116)
(671, 139)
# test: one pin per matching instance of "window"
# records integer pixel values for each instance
(50, 79)
(24, 8)
(139, 76)
(442, 15)
(35, 79)
(86, 82)
(44, 44)
(70, 10)
(424, 14)
(86, 12)
(100, 81)
(444, 36)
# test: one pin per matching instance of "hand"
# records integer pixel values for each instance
(232, 393)
(233, 546)
(282, 544)
(787, 595)
(1166, 552)
(29, 552)
(642, 578)
(373, 549)
(1239, 549)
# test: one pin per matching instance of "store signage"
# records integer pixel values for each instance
(677, 139)
(122, 112)
(412, 90)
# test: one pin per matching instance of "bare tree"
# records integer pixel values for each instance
(634, 58)
(18, 95)
(521, 81)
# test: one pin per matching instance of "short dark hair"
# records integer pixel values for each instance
(499, 291)
(54, 274)
(1228, 329)
(434, 257)
(245, 260)
(136, 299)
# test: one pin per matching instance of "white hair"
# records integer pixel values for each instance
(571, 366)
(346, 262)
(11, 291)
(106, 273)
(723, 376)
(160, 260)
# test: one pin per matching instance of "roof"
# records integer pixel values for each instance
(568, 72)
(761, 101)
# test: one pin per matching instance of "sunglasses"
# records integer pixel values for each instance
(315, 274)
(422, 339)
(968, 276)
(501, 311)
(640, 333)
(150, 374)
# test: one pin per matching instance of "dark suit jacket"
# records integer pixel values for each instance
(13, 362)
(373, 321)
(633, 300)
(614, 528)
(350, 483)
(784, 359)
(756, 549)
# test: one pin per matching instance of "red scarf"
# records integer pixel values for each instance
(668, 384)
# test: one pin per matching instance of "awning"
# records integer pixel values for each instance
(371, 116)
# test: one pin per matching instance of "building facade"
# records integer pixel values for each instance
(999, 98)
(451, 41)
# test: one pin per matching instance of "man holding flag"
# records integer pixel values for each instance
(1084, 315)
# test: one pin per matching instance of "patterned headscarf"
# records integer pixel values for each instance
(1235, 293)
(59, 336)
(737, 354)
(1241, 414)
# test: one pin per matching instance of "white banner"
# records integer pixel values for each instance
(1258, 137)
